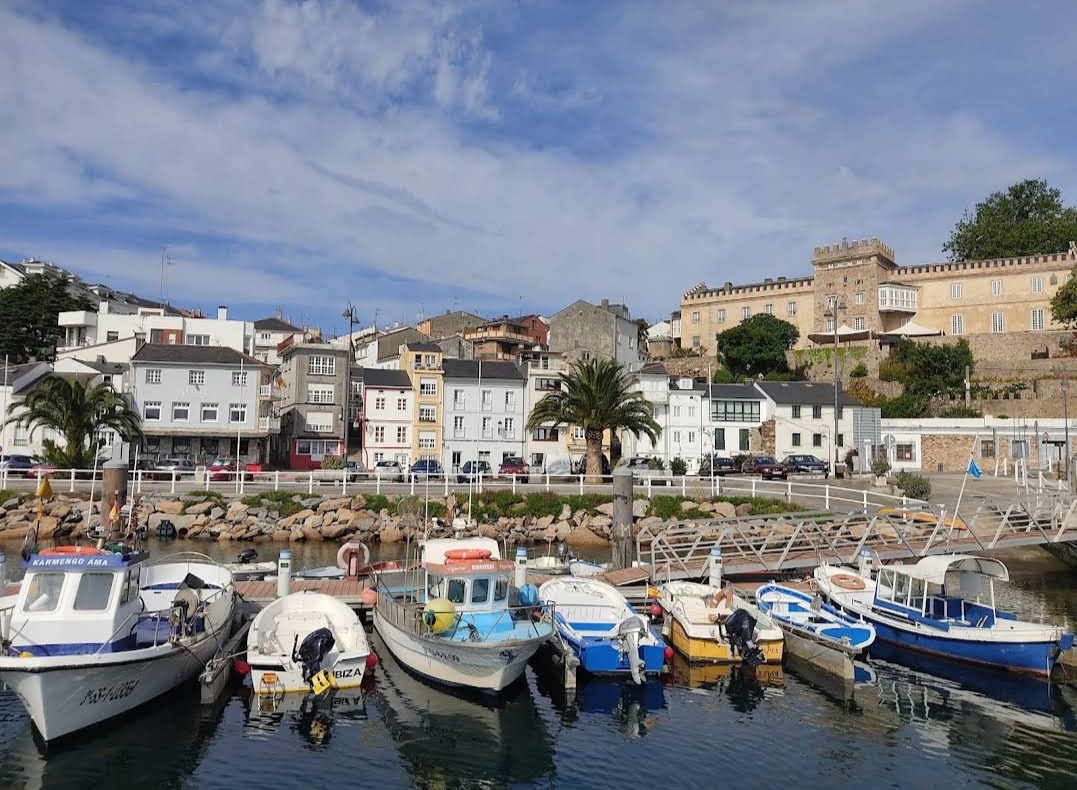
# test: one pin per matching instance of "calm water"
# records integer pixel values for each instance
(929, 726)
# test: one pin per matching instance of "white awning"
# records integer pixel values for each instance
(911, 329)
(933, 569)
(845, 333)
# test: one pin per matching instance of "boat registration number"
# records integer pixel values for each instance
(441, 654)
(109, 693)
(345, 673)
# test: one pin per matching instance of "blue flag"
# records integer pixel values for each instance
(973, 469)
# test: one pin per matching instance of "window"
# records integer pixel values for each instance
(480, 590)
(904, 452)
(181, 412)
(735, 411)
(745, 313)
(458, 427)
(379, 403)
(455, 591)
(153, 376)
(1038, 318)
(401, 404)
(695, 317)
(44, 592)
(676, 437)
(858, 297)
(719, 438)
(691, 411)
(22, 434)
(458, 399)
(841, 440)
(209, 412)
(130, 587)
(987, 448)
(510, 401)
(796, 440)
(544, 435)
(796, 412)
(239, 378)
(379, 457)
(547, 384)
(1037, 285)
(457, 460)
(237, 412)
(321, 366)
(816, 412)
(428, 414)
(379, 434)
(94, 591)
(578, 434)
(997, 323)
(196, 378)
(401, 435)
(676, 411)
(745, 440)
(696, 341)
(487, 400)
(264, 337)
(509, 429)
(111, 336)
(957, 324)
(320, 422)
(428, 386)
(996, 287)
(955, 291)
(721, 315)
(501, 589)
(487, 427)
(817, 440)
(198, 340)
(791, 308)
(691, 437)
(859, 322)
(151, 412)
(320, 393)
(426, 440)
(829, 324)
(768, 309)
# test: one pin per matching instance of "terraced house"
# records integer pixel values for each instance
(423, 363)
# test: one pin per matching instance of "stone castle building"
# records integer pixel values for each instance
(1000, 296)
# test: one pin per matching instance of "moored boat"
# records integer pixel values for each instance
(607, 635)
(944, 605)
(95, 633)
(466, 619)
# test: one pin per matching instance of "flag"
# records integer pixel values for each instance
(114, 514)
(973, 469)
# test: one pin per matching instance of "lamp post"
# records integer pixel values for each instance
(832, 312)
(1066, 419)
(349, 313)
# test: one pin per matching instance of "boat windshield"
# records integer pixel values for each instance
(43, 594)
(94, 592)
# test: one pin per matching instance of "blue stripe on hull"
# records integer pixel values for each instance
(601, 656)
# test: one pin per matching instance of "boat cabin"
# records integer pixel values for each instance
(943, 590)
(77, 604)
(468, 573)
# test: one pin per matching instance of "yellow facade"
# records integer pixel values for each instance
(422, 361)
(971, 297)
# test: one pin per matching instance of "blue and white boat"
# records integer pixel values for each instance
(465, 617)
(944, 606)
(607, 635)
(800, 611)
(95, 633)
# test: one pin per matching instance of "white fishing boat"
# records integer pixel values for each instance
(465, 617)
(307, 641)
(95, 633)
(247, 567)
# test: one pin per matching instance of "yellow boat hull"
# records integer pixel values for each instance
(710, 650)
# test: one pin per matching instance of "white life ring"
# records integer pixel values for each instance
(347, 548)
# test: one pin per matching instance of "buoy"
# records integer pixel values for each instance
(439, 615)
(368, 597)
(668, 653)
(656, 610)
(241, 666)
(371, 660)
(26, 654)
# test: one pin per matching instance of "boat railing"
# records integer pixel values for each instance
(408, 617)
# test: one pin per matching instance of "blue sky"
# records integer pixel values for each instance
(414, 156)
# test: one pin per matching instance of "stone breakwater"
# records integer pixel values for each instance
(317, 518)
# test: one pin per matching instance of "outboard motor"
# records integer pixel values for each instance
(740, 631)
(313, 651)
(247, 556)
(631, 630)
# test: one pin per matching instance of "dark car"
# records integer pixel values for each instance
(717, 466)
(471, 471)
(580, 467)
(806, 464)
(20, 463)
(164, 468)
(426, 467)
(356, 471)
(766, 466)
(514, 465)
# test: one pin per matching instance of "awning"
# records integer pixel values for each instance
(845, 333)
(911, 329)
(933, 569)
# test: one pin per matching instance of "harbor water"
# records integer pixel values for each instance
(928, 725)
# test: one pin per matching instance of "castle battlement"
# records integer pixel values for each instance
(1069, 257)
(845, 250)
(701, 291)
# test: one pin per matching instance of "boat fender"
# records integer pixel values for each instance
(529, 595)
(29, 544)
(349, 552)
(847, 581)
(439, 615)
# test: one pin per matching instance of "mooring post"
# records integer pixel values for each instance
(114, 476)
(284, 573)
(622, 519)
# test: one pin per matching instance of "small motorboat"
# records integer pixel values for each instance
(247, 567)
(607, 635)
(97, 632)
(585, 568)
(814, 630)
(944, 605)
(468, 618)
(307, 641)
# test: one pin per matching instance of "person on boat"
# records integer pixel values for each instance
(715, 599)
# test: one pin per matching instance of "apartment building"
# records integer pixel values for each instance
(269, 334)
(388, 417)
(584, 331)
(483, 411)
(315, 378)
(423, 363)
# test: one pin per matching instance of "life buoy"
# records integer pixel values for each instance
(349, 548)
(847, 581)
(467, 554)
(61, 551)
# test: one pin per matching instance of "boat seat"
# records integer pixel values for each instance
(152, 631)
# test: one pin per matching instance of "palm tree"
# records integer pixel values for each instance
(76, 411)
(596, 395)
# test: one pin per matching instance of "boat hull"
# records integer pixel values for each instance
(604, 657)
(713, 649)
(485, 666)
(277, 675)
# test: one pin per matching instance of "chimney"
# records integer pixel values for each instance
(605, 304)
(222, 312)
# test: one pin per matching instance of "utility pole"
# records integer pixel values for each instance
(349, 313)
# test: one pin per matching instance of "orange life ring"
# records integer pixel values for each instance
(60, 551)
(467, 554)
(847, 581)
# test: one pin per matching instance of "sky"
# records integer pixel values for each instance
(510, 156)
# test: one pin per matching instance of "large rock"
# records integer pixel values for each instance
(582, 536)
(687, 505)
(606, 509)
(296, 518)
(335, 531)
(390, 534)
(171, 506)
(344, 515)
(313, 534)
(296, 535)
(363, 523)
(725, 510)
(313, 521)
(639, 508)
(334, 504)
(199, 508)
(601, 521)
(743, 509)
(181, 522)
(47, 526)
(566, 513)
(216, 513)
(562, 529)
(544, 522)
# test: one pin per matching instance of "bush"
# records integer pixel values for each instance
(849, 456)
(860, 371)
(879, 466)
(332, 462)
(862, 392)
(914, 486)
(280, 501)
(678, 466)
(723, 376)
(378, 503)
(657, 464)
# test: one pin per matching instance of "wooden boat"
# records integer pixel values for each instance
(698, 616)
(607, 635)
(307, 641)
(944, 605)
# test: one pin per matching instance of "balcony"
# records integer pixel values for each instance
(269, 423)
(265, 391)
(76, 318)
(897, 299)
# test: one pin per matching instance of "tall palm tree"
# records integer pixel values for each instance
(596, 396)
(76, 411)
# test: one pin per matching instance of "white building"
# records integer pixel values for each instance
(269, 333)
(483, 410)
(387, 417)
(199, 402)
(803, 414)
(15, 382)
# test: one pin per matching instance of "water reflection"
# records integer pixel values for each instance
(448, 739)
(312, 718)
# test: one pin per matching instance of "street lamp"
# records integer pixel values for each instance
(349, 313)
(832, 312)
(1065, 383)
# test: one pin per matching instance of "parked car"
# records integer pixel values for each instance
(40, 469)
(806, 464)
(766, 466)
(515, 465)
(471, 471)
(389, 470)
(18, 463)
(164, 468)
(425, 468)
(580, 467)
(716, 466)
(222, 469)
(641, 469)
(557, 465)
(356, 471)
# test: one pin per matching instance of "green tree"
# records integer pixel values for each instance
(757, 346)
(1064, 302)
(1027, 219)
(29, 330)
(596, 395)
(76, 411)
